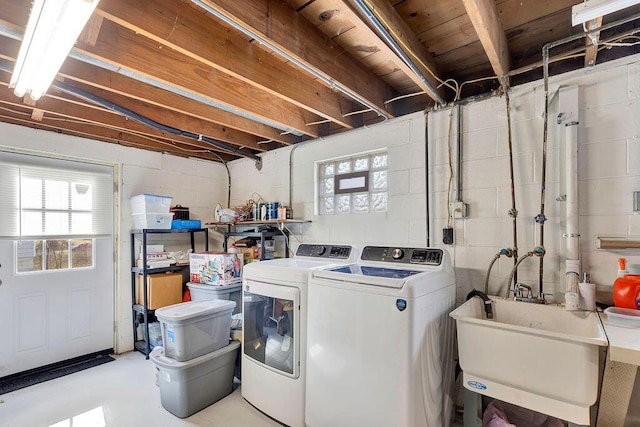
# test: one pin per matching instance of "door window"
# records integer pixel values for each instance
(53, 254)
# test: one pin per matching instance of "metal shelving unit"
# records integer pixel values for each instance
(141, 310)
(232, 231)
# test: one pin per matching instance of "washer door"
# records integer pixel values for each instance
(271, 322)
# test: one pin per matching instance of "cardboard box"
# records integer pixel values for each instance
(162, 289)
(250, 254)
(215, 268)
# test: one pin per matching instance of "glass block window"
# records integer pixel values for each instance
(353, 185)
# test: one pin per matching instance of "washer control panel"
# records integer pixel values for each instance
(324, 251)
(424, 256)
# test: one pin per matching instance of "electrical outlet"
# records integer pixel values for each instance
(459, 209)
(447, 236)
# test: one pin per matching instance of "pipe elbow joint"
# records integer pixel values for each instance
(508, 252)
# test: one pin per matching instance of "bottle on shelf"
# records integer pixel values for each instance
(233, 249)
(622, 267)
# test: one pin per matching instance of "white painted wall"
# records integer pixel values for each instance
(196, 184)
(609, 169)
(405, 221)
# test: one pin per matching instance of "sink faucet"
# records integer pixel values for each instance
(488, 309)
(520, 296)
(538, 251)
(519, 290)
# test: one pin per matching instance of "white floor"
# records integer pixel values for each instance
(121, 393)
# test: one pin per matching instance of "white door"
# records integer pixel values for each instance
(52, 316)
(56, 261)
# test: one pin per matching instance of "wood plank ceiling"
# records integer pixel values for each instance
(223, 79)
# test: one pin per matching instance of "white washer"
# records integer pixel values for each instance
(275, 328)
(380, 341)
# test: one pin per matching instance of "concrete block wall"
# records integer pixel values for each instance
(609, 168)
(196, 184)
(403, 224)
(608, 172)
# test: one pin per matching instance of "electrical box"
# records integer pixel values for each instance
(459, 209)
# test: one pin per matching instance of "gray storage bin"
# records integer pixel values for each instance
(200, 292)
(188, 387)
(191, 329)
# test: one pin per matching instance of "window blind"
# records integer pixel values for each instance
(51, 198)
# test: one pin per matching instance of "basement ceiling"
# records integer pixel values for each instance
(235, 78)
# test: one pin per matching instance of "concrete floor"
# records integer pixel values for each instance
(121, 393)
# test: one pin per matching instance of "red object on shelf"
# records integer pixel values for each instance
(626, 291)
(186, 296)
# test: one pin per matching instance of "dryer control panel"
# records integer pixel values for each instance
(423, 256)
(324, 251)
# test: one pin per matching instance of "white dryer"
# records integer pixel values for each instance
(275, 329)
(380, 341)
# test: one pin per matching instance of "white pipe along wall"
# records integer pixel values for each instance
(568, 119)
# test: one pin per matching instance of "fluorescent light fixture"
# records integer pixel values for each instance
(53, 27)
(592, 9)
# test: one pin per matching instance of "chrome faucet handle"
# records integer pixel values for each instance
(520, 287)
(542, 297)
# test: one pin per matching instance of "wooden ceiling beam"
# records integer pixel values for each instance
(91, 30)
(220, 124)
(173, 119)
(486, 21)
(122, 48)
(591, 52)
(280, 25)
(76, 70)
(118, 84)
(59, 106)
(102, 134)
(402, 35)
(172, 25)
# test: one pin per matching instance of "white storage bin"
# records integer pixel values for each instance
(188, 387)
(155, 220)
(147, 203)
(191, 329)
(623, 317)
(201, 292)
(155, 334)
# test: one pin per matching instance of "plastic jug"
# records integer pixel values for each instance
(626, 291)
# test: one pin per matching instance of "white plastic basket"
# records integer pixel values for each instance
(150, 203)
(623, 317)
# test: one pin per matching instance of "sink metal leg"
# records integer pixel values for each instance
(470, 416)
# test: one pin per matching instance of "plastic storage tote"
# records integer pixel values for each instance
(191, 329)
(188, 387)
(150, 203)
(208, 292)
(158, 221)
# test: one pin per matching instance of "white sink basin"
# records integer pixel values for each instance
(540, 357)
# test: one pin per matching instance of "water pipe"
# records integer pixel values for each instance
(540, 218)
(513, 212)
(504, 251)
(537, 251)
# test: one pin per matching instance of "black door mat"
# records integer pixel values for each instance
(50, 372)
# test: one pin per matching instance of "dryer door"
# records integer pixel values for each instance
(271, 326)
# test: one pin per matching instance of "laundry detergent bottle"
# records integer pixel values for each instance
(626, 289)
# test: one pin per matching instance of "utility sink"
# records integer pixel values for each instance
(537, 356)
